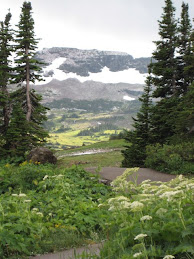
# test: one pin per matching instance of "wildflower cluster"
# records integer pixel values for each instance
(145, 225)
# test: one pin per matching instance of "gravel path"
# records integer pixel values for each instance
(109, 173)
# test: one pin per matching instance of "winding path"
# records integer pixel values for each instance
(109, 173)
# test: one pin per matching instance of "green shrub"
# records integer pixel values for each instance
(175, 159)
(44, 208)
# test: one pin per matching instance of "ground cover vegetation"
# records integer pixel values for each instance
(100, 154)
(149, 220)
(44, 208)
(164, 124)
(21, 111)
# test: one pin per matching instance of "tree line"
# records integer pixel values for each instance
(21, 112)
(166, 115)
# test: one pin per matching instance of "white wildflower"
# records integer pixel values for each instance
(59, 175)
(100, 205)
(45, 177)
(190, 186)
(146, 200)
(136, 206)
(140, 236)
(137, 254)
(145, 185)
(161, 212)
(146, 217)
(122, 198)
(39, 214)
(111, 208)
(111, 200)
(22, 195)
(14, 195)
(180, 177)
(125, 204)
(168, 257)
(170, 195)
(27, 201)
(35, 209)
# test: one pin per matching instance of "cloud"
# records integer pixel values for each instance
(123, 25)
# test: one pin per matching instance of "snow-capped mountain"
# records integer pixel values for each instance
(90, 74)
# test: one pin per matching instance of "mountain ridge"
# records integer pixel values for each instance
(83, 62)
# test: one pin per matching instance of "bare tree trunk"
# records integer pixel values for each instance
(29, 105)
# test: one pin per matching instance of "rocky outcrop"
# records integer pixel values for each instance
(42, 155)
(83, 62)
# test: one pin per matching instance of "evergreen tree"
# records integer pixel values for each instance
(5, 71)
(23, 135)
(185, 116)
(164, 69)
(28, 68)
(25, 129)
(165, 77)
(17, 137)
(189, 60)
(140, 137)
(184, 49)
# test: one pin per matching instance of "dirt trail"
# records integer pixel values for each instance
(109, 173)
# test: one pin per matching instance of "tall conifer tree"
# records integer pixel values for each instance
(184, 49)
(164, 76)
(164, 69)
(5, 71)
(140, 137)
(25, 99)
(27, 66)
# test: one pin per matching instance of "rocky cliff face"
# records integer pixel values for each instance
(90, 74)
(83, 62)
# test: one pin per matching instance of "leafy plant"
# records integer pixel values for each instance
(175, 159)
(151, 220)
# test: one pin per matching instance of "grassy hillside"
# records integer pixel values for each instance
(84, 125)
(110, 157)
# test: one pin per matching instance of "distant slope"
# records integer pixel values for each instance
(89, 90)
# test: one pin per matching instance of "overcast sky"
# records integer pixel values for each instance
(119, 25)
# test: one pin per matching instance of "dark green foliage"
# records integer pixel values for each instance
(46, 208)
(184, 49)
(121, 135)
(134, 154)
(5, 72)
(185, 117)
(164, 69)
(26, 44)
(172, 117)
(21, 112)
(17, 137)
(163, 119)
(175, 159)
